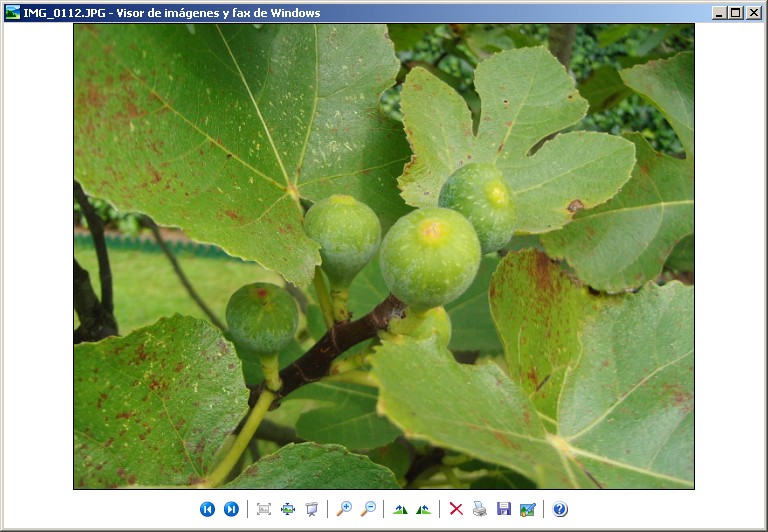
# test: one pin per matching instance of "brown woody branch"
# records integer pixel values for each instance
(96, 322)
(96, 227)
(316, 363)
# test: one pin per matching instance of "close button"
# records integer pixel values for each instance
(754, 13)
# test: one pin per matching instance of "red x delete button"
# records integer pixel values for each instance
(456, 509)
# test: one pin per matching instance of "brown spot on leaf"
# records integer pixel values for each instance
(503, 439)
(533, 377)
(575, 206)
(234, 216)
(156, 176)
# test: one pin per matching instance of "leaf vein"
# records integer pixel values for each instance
(256, 107)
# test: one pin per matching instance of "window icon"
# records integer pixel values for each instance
(526, 510)
(12, 12)
(504, 508)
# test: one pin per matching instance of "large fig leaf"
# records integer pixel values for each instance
(313, 466)
(538, 311)
(221, 130)
(626, 241)
(152, 408)
(526, 96)
(626, 411)
(476, 410)
(624, 415)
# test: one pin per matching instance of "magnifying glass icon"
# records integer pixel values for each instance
(370, 506)
(345, 507)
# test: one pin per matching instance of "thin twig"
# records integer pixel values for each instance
(147, 222)
(96, 227)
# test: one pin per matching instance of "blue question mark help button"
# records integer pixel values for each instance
(559, 509)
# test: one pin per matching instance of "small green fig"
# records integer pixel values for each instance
(479, 192)
(349, 234)
(262, 317)
(432, 322)
(429, 257)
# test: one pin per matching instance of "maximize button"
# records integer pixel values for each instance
(735, 13)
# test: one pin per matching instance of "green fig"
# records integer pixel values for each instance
(480, 193)
(429, 257)
(349, 234)
(262, 317)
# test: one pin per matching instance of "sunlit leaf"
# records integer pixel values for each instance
(624, 418)
(526, 96)
(220, 130)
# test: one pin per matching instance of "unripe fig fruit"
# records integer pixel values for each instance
(349, 234)
(434, 321)
(430, 257)
(479, 192)
(262, 317)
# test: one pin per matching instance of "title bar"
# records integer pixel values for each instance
(340, 13)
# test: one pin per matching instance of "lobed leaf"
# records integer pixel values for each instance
(624, 414)
(526, 96)
(626, 241)
(220, 130)
(626, 411)
(476, 410)
(152, 408)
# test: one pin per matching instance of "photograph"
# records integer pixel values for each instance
(384, 256)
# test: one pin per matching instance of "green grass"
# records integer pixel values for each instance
(146, 288)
